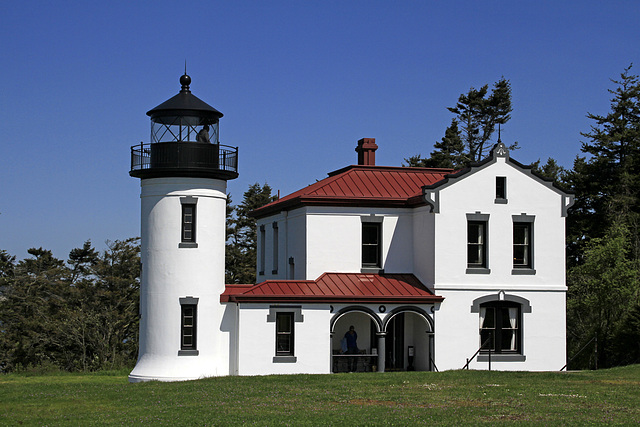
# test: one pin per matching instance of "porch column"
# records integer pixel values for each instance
(381, 350)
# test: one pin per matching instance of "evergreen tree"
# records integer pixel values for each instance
(467, 139)
(242, 238)
(603, 252)
(607, 182)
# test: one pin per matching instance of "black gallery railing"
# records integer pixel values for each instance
(184, 155)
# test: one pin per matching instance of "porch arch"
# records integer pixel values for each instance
(408, 309)
(365, 310)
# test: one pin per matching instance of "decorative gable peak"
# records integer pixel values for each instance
(500, 150)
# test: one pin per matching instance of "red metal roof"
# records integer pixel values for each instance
(362, 186)
(336, 287)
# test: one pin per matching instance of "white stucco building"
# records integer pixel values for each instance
(428, 265)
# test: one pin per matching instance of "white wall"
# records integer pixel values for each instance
(170, 273)
(257, 345)
(476, 193)
(543, 331)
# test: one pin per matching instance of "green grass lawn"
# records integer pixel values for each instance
(398, 398)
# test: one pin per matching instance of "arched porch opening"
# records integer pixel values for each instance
(368, 326)
(409, 340)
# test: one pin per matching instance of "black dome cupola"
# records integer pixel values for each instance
(185, 141)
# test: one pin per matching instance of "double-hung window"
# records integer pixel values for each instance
(477, 243)
(371, 244)
(284, 334)
(285, 318)
(523, 244)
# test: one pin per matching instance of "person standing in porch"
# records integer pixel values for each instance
(352, 347)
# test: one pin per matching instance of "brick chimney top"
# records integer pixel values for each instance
(366, 150)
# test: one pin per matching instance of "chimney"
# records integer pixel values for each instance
(367, 152)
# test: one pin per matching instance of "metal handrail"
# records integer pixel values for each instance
(466, 366)
(227, 157)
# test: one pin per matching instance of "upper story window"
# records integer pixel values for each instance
(523, 244)
(371, 244)
(262, 255)
(501, 189)
(188, 222)
(477, 243)
(275, 248)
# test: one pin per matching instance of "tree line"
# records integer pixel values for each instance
(82, 314)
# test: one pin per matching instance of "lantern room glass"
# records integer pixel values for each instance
(182, 129)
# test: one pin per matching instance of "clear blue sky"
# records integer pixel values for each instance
(299, 82)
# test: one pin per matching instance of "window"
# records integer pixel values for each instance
(523, 244)
(476, 247)
(477, 233)
(188, 326)
(261, 244)
(285, 317)
(501, 189)
(275, 248)
(500, 327)
(371, 244)
(188, 223)
(284, 334)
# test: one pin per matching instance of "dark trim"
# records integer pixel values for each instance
(188, 352)
(501, 296)
(372, 218)
(295, 309)
(285, 359)
(189, 301)
(362, 309)
(408, 309)
(372, 270)
(187, 245)
(479, 270)
(500, 201)
(501, 357)
(431, 192)
(523, 272)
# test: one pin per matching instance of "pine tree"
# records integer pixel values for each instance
(467, 139)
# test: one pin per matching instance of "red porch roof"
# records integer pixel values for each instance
(362, 186)
(336, 287)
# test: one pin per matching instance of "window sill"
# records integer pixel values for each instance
(500, 201)
(188, 352)
(478, 270)
(372, 270)
(523, 272)
(285, 359)
(502, 357)
(187, 245)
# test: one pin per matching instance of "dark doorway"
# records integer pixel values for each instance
(394, 357)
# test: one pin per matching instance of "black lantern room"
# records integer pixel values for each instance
(185, 141)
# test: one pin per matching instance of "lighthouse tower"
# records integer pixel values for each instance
(183, 175)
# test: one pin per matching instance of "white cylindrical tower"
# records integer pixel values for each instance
(184, 173)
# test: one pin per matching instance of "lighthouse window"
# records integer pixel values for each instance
(188, 326)
(188, 227)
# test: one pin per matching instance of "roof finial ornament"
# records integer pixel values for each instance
(499, 140)
(185, 80)
(500, 149)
